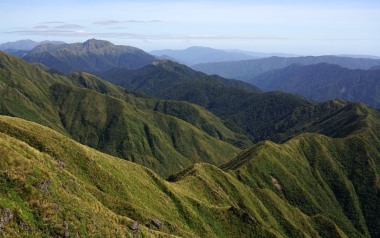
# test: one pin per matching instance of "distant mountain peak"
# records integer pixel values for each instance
(90, 56)
(96, 44)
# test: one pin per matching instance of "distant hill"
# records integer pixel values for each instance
(360, 56)
(25, 45)
(197, 54)
(248, 69)
(261, 54)
(323, 82)
(90, 56)
(161, 76)
(244, 109)
(375, 67)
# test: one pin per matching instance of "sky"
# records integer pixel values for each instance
(295, 26)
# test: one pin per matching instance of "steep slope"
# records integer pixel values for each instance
(191, 113)
(90, 56)
(107, 118)
(246, 70)
(335, 178)
(165, 76)
(244, 109)
(152, 139)
(53, 186)
(197, 54)
(323, 82)
(311, 186)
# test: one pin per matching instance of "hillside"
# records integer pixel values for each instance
(311, 185)
(163, 76)
(323, 82)
(243, 108)
(246, 70)
(105, 117)
(90, 56)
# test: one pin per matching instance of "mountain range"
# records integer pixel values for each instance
(104, 117)
(178, 153)
(90, 56)
(25, 45)
(246, 70)
(322, 82)
(197, 54)
(243, 108)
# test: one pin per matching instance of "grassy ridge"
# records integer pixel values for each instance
(311, 185)
(152, 139)
(336, 178)
(110, 119)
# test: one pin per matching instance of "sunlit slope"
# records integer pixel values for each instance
(152, 139)
(334, 178)
(107, 118)
(311, 186)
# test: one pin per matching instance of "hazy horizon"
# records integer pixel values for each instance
(294, 27)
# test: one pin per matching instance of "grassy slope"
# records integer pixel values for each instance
(310, 186)
(131, 131)
(244, 109)
(195, 115)
(152, 139)
(336, 178)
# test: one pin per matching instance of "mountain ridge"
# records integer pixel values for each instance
(90, 56)
(248, 69)
(280, 190)
(321, 82)
(63, 104)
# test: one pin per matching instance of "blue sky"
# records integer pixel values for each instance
(300, 27)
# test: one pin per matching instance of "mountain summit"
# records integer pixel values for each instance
(90, 56)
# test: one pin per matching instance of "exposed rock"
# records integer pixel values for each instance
(135, 228)
(276, 183)
(66, 228)
(5, 216)
(60, 163)
(135, 225)
(157, 223)
(44, 186)
(57, 207)
(24, 226)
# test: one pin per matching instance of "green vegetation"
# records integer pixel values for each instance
(109, 119)
(312, 186)
(243, 108)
